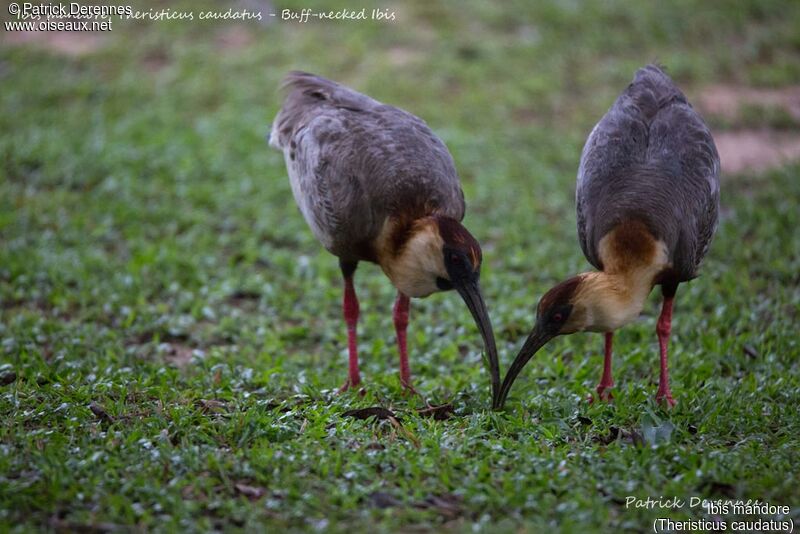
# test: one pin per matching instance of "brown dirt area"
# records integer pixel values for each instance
(752, 150)
(727, 100)
(756, 150)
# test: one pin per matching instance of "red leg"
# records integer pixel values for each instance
(606, 381)
(400, 316)
(663, 328)
(350, 310)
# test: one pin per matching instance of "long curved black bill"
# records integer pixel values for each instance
(536, 340)
(473, 298)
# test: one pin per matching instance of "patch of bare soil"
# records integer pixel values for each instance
(749, 149)
(179, 355)
(728, 100)
(756, 150)
(72, 44)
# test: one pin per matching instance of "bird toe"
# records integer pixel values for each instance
(603, 394)
(350, 384)
(665, 399)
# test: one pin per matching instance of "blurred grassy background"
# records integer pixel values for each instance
(154, 265)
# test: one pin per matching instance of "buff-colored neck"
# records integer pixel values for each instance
(411, 256)
(608, 299)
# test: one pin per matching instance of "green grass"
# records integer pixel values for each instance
(153, 266)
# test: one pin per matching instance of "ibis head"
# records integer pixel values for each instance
(435, 254)
(593, 302)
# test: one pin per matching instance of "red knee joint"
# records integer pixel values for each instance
(350, 305)
(663, 326)
(351, 311)
(662, 330)
(400, 318)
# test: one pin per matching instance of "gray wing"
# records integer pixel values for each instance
(353, 162)
(651, 157)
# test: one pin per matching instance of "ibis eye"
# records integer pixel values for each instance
(558, 317)
(455, 258)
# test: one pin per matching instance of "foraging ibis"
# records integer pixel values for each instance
(647, 200)
(375, 184)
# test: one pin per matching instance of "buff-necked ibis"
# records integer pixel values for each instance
(647, 200)
(375, 184)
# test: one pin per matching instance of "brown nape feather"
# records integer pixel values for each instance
(399, 234)
(396, 235)
(630, 245)
(456, 236)
(560, 294)
(400, 230)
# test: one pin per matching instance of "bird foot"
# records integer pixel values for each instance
(603, 393)
(348, 384)
(665, 397)
(408, 389)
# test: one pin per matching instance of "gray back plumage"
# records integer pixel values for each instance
(353, 162)
(651, 158)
